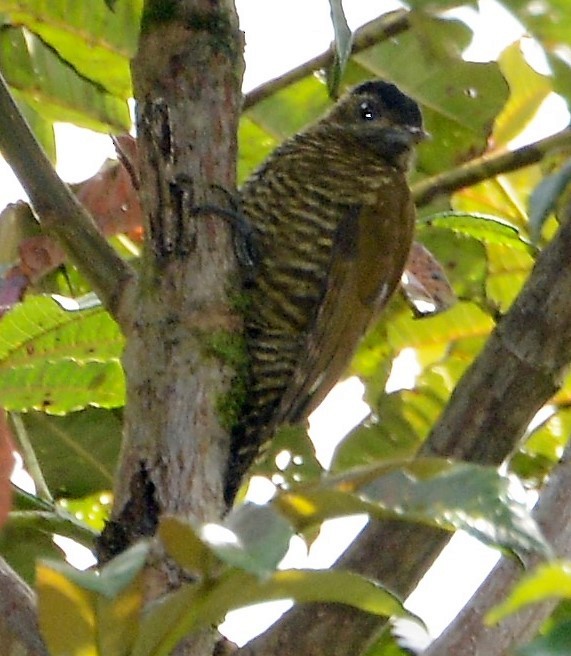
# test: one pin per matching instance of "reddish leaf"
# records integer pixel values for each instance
(112, 200)
(12, 288)
(38, 256)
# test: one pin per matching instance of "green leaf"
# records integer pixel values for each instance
(42, 129)
(186, 546)
(93, 510)
(60, 387)
(545, 582)
(528, 89)
(22, 542)
(111, 579)
(262, 538)
(486, 229)
(59, 360)
(554, 643)
(502, 268)
(198, 606)
(459, 99)
(550, 24)
(544, 197)
(255, 144)
(97, 42)
(389, 644)
(448, 495)
(101, 611)
(254, 538)
(303, 464)
(78, 452)
(343, 43)
(288, 110)
(53, 89)
(53, 521)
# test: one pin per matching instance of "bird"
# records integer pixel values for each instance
(331, 220)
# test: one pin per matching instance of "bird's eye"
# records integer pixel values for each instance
(367, 112)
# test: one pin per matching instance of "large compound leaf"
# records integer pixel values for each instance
(97, 42)
(53, 88)
(78, 452)
(546, 581)
(23, 542)
(204, 604)
(459, 99)
(59, 360)
(434, 491)
(550, 21)
(528, 89)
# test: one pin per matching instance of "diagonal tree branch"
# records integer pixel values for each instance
(521, 367)
(60, 213)
(19, 630)
(367, 35)
(487, 166)
(468, 631)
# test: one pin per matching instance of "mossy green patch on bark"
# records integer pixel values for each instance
(230, 349)
(158, 12)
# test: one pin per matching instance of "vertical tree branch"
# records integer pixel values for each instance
(180, 354)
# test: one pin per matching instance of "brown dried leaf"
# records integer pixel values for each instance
(424, 282)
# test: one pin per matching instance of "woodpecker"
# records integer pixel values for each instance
(332, 222)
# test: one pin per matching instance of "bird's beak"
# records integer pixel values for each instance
(418, 134)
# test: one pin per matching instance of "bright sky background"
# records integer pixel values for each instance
(280, 35)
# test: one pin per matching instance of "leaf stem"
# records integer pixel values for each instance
(31, 462)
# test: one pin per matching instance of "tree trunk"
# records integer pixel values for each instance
(187, 78)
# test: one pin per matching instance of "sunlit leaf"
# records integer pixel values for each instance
(58, 360)
(187, 547)
(53, 88)
(59, 597)
(486, 229)
(547, 581)
(97, 41)
(254, 538)
(93, 510)
(198, 606)
(448, 495)
(528, 89)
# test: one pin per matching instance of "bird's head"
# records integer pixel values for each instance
(377, 116)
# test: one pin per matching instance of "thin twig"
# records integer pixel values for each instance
(487, 166)
(368, 35)
(59, 211)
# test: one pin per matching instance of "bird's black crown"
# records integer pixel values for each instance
(393, 99)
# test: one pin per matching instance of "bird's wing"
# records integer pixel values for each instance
(371, 245)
